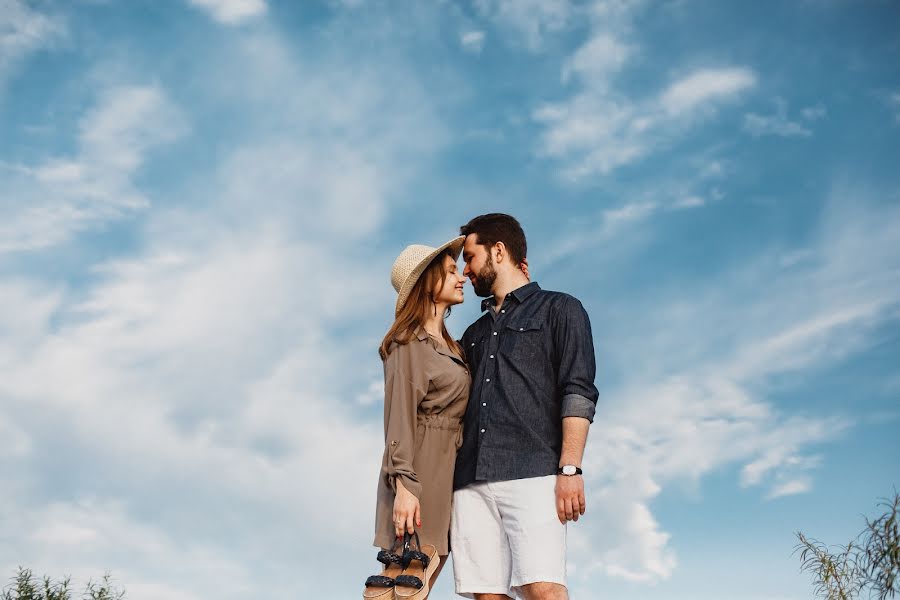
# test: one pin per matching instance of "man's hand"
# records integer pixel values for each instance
(570, 502)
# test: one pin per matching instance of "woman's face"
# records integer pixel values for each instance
(451, 292)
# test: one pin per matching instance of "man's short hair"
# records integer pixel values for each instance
(497, 227)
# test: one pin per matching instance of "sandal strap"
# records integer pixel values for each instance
(379, 581)
(409, 581)
(411, 555)
(387, 558)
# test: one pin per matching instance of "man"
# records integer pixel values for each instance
(518, 472)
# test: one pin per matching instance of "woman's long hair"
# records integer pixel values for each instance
(418, 307)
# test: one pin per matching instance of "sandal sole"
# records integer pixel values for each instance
(408, 593)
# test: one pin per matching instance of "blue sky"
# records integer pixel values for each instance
(200, 202)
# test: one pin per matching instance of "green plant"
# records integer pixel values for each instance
(870, 562)
(25, 586)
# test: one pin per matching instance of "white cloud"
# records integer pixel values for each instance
(628, 213)
(86, 538)
(894, 103)
(814, 113)
(61, 196)
(699, 358)
(472, 41)
(232, 12)
(778, 124)
(373, 394)
(530, 20)
(600, 57)
(689, 202)
(192, 392)
(704, 86)
(598, 129)
(790, 488)
(192, 402)
(204, 370)
(22, 31)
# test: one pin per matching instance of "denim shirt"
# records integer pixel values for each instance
(532, 363)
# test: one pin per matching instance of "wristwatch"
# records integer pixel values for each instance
(568, 470)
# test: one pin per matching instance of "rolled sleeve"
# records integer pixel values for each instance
(574, 405)
(577, 365)
(403, 391)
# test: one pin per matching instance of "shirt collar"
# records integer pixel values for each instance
(423, 336)
(519, 295)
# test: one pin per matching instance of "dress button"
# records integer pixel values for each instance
(482, 431)
(503, 311)
(492, 356)
(488, 380)
(495, 333)
(484, 403)
(521, 329)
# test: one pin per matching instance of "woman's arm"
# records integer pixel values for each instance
(404, 388)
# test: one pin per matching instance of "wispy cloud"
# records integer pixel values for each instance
(600, 129)
(22, 31)
(779, 124)
(207, 387)
(527, 20)
(708, 399)
(704, 86)
(894, 104)
(814, 113)
(602, 56)
(64, 195)
(472, 41)
(232, 12)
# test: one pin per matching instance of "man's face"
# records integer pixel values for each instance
(479, 266)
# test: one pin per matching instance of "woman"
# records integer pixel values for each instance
(426, 388)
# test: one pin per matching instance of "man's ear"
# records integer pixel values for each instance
(500, 253)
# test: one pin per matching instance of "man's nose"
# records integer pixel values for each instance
(467, 271)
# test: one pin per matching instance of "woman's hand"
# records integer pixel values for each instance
(406, 511)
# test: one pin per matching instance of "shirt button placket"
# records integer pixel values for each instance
(492, 350)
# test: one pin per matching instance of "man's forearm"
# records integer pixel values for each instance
(574, 437)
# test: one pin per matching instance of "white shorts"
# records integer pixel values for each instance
(506, 534)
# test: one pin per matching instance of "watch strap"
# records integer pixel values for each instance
(559, 471)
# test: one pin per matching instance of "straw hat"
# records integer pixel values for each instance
(413, 261)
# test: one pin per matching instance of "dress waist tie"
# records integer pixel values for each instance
(443, 422)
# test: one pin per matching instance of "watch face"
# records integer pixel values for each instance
(568, 469)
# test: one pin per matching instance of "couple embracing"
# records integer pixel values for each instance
(484, 437)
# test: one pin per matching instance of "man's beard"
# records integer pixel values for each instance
(484, 279)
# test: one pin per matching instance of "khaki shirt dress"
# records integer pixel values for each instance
(426, 389)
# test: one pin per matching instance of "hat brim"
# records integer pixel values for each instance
(455, 246)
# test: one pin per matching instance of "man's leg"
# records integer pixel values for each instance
(537, 540)
(481, 559)
(544, 591)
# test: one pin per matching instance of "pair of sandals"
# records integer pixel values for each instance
(405, 575)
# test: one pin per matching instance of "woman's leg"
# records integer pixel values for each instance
(442, 560)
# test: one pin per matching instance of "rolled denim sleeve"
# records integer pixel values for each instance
(577, 365)
(405, 385)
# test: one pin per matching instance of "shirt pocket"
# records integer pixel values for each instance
(523, 339)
